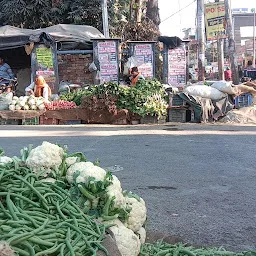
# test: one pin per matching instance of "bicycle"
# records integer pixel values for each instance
(8, 85)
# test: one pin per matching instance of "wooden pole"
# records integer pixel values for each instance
(254, 34)
(220, 47)
(201, 40)
(231, 46)
(104, 7)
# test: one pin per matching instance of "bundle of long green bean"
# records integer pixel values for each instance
(161, 248)
(39, 218)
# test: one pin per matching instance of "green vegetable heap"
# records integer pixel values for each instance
(163, 249)
(39, 218)
(147, 97)
(55, 203)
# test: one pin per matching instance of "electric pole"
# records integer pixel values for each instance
(231, 46)
(104, 7)
(201, 40)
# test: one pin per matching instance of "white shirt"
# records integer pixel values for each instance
(45, 90)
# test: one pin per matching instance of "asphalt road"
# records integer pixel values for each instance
(199, 181)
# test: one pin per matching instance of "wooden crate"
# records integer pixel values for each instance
(10, 121)
(177, 115)
(69, 122)
(48, 121)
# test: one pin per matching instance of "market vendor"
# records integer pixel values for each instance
(5, 73)
(136, 76)
(39, 88)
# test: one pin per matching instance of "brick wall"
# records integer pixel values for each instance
(74, 68)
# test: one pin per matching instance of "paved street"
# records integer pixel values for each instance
(199, 181)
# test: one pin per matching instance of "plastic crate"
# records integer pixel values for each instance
(177, 115)
(48, 121)
(31, 121)
(10, 121)
(243, 100)
(176, 101)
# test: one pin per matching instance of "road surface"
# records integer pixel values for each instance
(199, 181)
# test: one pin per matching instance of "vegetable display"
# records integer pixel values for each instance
(55, 203)
(60, 204)
(147, 97)
(161, 248)
(27, 103)
(60, 104)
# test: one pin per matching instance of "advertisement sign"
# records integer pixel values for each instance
(145, 59)
(215, 21)
(108, 61)
(45, 65)
(177, 66)
(249, 46)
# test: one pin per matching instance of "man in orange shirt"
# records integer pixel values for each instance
(136, 76)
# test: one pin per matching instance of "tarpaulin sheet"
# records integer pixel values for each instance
(71, 36)
(207, 110)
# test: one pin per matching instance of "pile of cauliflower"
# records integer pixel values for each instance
(27, 103)
(89, 180)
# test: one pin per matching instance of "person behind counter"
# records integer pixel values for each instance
(39, 88)
(5, 72)
(136, 76)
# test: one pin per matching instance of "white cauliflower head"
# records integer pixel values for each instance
(115, 190)
(86, 170)
(71, 160)
(127, 242)
(138, 214)
(47, 156)
(142, 235)
(5, 160)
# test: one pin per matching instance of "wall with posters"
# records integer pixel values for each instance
(106, 59)
(144, 53)
(177, 68)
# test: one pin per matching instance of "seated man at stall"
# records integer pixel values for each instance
(39, 88)
(5, 73)
(136, 76)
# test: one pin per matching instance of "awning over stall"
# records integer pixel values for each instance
(68, 36)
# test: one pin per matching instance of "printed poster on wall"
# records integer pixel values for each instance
(108, 61)
(45, 65)
(215, 21)
(177, 66)
(145, 59)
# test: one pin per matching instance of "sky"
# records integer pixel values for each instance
(186, 18)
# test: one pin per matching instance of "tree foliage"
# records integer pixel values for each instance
(42, 13)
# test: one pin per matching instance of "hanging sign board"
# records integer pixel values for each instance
(177, 66)
(45, 65)
(145, 59)
(215, 21)
(106, 59)
(143, 54)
